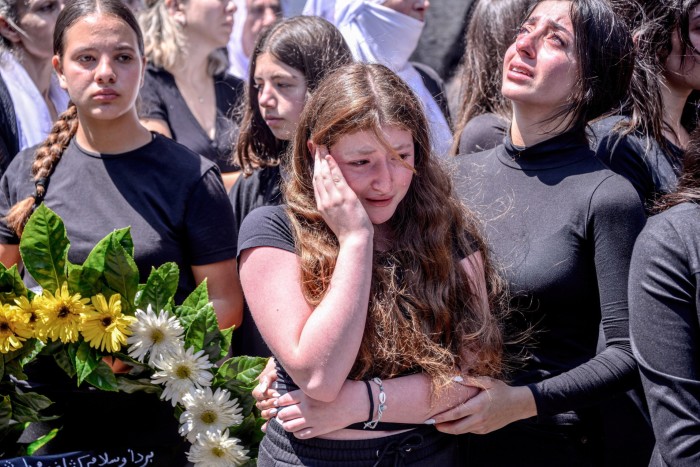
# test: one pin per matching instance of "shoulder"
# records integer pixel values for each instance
(267, 226)
(613, 191)
(482, 132)
(175, 158)
(679, 225)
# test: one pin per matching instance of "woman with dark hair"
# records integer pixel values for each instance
(382, 279)
(664, 320)
(645, 144)
(187, 94)
(101, 170)
(562, 226)
(288, 63)
(30, 96)
(484, 113)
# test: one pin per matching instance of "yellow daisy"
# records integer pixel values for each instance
(61, 314)
(29, 309)
(105, 327)
(14, 329)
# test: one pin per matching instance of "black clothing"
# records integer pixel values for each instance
(436, 86)
(173, 200)
(9, 136)
(482, 133)
(424, 446)
(665, 329)
(562, 226)
(262, 188)
(161, 100)
(652, 171)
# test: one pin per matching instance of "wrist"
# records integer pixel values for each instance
(525, 401)
(354, 398)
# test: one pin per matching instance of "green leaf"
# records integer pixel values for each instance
(225, 342)
(91, 280)
(102, 377)
(199, 298)
(185, 315)
(86, 360)
(2, 371)
(203, 333)
(160, 288)
(244, 369)
(27, 405)
(131, 386)
(121, 274)
(44, 248)
(11, 285)
(41, 442)
(30, 350)
(14, 368)
(64, 361)
(5, 411)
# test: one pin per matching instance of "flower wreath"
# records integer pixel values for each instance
(174, 349)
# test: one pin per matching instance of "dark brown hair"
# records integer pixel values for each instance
(490, 32)
(309, 44)
(49, 153)
(688, 188)
(424, 313)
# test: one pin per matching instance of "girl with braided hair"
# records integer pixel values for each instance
(100, 169)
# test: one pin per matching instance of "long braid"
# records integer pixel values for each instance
(45, 160)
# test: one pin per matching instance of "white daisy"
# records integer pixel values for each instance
(217, 450)
(182, 372)
(208, 412)
(158, 334)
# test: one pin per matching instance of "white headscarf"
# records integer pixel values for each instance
(323, 8)
(377, 34)
(238, 60)
(34, 120)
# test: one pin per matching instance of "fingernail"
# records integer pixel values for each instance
(430, 421)
(262, 387)
(275, 394)
(273, 412)
(276, 403)
(458, 379)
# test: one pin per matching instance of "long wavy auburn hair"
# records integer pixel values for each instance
(423, 312)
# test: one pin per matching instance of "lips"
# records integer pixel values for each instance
(380, 202)
(105, 95)
(521, 70)
(270, 120)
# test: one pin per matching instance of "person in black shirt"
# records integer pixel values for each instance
(562, 227)
(664, 320)
(187, 95)
(374, 273)
(101, 170)
(288, 63)
(645, 144)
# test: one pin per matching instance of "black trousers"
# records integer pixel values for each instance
(423, 446)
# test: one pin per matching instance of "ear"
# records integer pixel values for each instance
(58, 68)
(635, 38)
(143, 71)
(9, 32)
(311, 146)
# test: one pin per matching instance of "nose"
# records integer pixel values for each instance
(231, 6)
(104, 72)
(269, 17)
(383, 176)
(266, 97)
(525, 45)
(425, 4)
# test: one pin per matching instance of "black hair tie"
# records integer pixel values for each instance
(39, 196)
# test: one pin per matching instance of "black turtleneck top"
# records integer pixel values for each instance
(562, 228)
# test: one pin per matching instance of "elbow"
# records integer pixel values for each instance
(229, 313)
(316, 383)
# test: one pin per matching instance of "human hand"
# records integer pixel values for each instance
(338, 204)
(265, 393)
(308, 418)
(496, 406)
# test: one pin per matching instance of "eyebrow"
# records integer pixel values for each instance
(550, 24)
(280, 76)
(118, 48)
(363, 151)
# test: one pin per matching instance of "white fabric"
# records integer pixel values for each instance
(323, 8)
(238, 60)
(34, 120)
(377, 34)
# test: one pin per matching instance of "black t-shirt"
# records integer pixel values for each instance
(652, 171)
(161, 99)
(562, 227)
(262, 188)
(173, 200)
(483, 132)
(665, 329)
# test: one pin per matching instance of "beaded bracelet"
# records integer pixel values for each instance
(382, 404)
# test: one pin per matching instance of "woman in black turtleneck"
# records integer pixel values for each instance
(562, 227)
